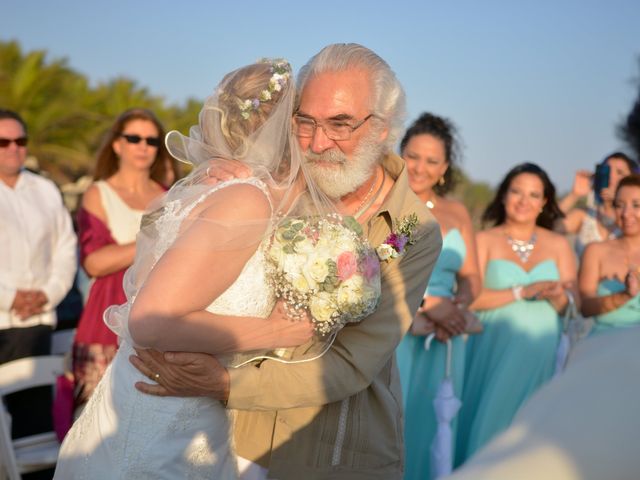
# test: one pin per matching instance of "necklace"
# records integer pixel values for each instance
(430, 204)
(366, 202)
(522, 248)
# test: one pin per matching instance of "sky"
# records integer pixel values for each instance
(545, 81)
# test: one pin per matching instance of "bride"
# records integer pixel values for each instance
(199, 261)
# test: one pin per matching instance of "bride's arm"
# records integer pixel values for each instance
(169, 310)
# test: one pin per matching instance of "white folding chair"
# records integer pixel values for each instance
(34, 452)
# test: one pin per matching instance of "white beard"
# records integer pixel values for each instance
(344, 176)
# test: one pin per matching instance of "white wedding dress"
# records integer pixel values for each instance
(125, 434)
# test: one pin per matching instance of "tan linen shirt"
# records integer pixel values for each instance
(340, 416)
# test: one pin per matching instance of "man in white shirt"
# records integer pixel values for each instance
(37, 259)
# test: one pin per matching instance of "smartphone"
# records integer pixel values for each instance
(601, 180)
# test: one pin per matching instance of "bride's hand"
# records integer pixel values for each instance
(290, 332)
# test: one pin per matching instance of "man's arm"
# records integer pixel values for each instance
(64, 258)
(360, 350)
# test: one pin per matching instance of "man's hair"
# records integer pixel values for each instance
(388, 100)
(6, 114)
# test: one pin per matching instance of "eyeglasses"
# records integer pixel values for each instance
(20, 142)
(305, 127)
(151, 141)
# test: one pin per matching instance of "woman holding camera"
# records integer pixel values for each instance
(595, 222)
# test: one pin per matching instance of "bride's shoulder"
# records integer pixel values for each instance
(238, 198)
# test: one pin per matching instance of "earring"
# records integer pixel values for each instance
(441, 181)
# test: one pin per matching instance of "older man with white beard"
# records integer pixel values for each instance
(339, 416)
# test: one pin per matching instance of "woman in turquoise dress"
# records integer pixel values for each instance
(430, 150)
(525, 269)
(608, 276)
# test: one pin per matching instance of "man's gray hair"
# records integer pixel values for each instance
(388, 100)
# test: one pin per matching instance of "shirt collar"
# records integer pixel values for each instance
(392, 208)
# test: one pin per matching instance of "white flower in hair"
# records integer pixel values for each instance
(281, 75)
(265, 95)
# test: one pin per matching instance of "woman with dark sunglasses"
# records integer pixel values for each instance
(130, 169)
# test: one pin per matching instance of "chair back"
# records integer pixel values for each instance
(34, 452)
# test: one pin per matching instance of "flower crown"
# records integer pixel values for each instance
(281, 75)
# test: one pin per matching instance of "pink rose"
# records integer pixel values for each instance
(346, 265)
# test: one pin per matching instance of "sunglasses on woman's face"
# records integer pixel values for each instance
(20, 142)
(151, 141)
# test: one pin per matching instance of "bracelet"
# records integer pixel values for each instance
(517, 292)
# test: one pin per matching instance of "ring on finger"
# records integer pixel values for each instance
(156, 377)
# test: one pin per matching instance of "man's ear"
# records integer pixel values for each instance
(384, 133)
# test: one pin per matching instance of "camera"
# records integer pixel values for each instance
(601, 180)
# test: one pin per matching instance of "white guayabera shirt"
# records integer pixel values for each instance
(37, 247)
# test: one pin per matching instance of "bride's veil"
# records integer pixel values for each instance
(247, 119)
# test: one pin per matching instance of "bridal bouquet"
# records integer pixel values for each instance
(324, 266)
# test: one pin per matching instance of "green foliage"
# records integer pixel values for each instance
(67, 119)
(629, 129)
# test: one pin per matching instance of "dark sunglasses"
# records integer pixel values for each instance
(151, 141)
(20, 142)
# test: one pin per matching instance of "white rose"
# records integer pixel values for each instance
(316, 268)
(276, 253)
(299, 282)
(386, 251)
(345, 244)
(291, 265)
(305, 246)
(369, 297)
(322, 307)
(324, 244)
(296, 261)
(350, 291)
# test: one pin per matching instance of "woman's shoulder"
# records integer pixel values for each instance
(605, 247)
(491, 233)
(456, 213)
(455, 207)
(238, 198)
(91, 198)
(555, 240)
(489, 237)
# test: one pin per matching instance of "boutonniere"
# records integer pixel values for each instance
(397, 242)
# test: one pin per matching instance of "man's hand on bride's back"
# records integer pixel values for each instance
(181, 374)
(222, 169)
(290, 332)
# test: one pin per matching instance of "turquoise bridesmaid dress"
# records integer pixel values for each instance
(510, 360)
(421, 371)
(627, 315)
